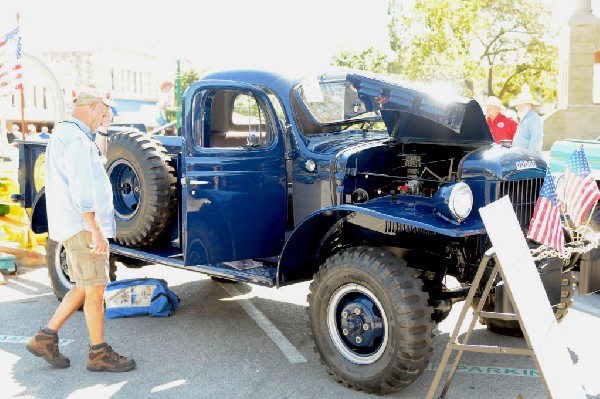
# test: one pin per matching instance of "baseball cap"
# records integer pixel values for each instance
(90, 96)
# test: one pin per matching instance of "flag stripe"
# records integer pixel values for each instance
(10, 62)
(581, 191)
(546, 225)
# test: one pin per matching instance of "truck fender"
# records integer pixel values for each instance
(302, 249)
(39, 217)
(302, 252)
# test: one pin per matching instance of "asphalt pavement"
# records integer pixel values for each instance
(244, 341)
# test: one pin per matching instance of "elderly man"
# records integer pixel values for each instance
(501, 126)
(530, 132)
(80, 214)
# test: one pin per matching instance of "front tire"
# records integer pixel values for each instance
(370, 320)
(594, 219)
(512, 327)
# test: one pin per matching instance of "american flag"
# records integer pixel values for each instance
(545, 226)
(581, 191)
(10, 62)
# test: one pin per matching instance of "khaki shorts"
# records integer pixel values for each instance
(86, 269)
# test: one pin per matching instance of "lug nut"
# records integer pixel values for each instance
(358, 340)
(345, 314)
(345, 331)
(357, 311)
(365, 327)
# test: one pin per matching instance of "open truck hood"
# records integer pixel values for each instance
(414, 116)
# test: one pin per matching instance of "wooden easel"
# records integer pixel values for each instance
(529, 300)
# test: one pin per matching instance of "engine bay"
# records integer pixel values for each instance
(401, 169)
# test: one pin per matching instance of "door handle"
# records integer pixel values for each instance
(199, 182)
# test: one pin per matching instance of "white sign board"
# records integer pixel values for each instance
(530, 301)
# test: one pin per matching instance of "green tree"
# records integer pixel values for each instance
(367, 60)
(490, 47)
(187, 79)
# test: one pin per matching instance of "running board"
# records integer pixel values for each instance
(250, 271)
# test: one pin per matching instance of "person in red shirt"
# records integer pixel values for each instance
(501, 126)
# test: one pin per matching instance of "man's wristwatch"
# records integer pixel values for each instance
(102, 134)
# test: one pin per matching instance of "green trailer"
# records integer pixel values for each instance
(588, 264)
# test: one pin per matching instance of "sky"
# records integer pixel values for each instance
(211, 34)
(215, 33)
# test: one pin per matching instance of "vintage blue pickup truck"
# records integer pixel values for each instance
(369, 187)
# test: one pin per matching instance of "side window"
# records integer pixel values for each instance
(237, 119)
(278, 109)
(198, 118)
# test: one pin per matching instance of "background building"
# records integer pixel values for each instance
(43, 95)
(51, 81)
(132, 79)
(578, 113)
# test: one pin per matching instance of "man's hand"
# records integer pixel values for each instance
(100, 243)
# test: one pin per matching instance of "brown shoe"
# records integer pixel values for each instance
(46, 346)
(106, 359)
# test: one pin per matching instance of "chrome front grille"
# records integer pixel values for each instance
(523, 194)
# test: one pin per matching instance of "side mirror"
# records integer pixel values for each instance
(253, 140)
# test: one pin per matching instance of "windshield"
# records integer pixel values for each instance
(333, 101)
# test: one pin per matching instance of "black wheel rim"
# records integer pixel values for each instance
(357, 324)
(126, 189)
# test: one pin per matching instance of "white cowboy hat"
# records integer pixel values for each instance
(523, 98)
(494, 101)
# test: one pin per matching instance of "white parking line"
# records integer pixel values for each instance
(19, 339)
(289, 351)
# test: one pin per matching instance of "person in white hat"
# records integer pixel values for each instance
(501, 126)
(530, 132)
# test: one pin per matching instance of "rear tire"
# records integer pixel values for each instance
(223, 280)
(56, 261)
(131, 263)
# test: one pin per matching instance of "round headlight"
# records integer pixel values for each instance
(454, 201)
(461, 200)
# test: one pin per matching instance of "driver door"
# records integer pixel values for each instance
(234, 181)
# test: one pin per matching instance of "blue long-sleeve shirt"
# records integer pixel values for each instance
(76, 182)
(530, 133)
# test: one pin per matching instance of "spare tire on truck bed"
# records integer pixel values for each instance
(143, 183)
